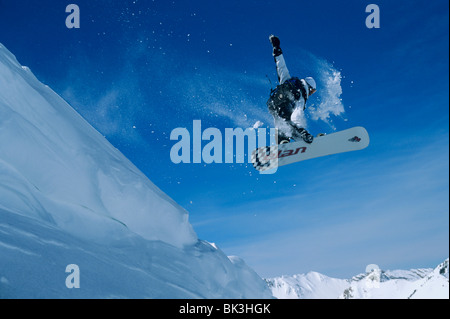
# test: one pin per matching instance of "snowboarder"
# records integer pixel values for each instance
(288, 100)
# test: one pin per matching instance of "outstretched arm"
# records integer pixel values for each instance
(282, 70)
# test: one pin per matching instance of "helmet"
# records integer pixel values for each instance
(311, 82)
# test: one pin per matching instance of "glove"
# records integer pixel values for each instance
(275, 41)
(276, 45)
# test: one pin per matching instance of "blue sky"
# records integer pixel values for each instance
(138, 69)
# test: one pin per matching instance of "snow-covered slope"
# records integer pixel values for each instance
(376, 284)
(58, 168)
(67, 196)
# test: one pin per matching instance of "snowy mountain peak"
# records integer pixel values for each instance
(442, 269)
(374, 284)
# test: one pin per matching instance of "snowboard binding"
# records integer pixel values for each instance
(305, 136)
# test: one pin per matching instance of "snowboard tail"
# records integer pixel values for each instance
(270, 157)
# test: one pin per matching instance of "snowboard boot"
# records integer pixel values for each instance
(308, 138)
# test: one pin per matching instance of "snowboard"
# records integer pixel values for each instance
(271, 157)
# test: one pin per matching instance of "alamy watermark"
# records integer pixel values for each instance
(73, 279)
(373, 19)
(211, 145)
(373, 278)
(73, 19)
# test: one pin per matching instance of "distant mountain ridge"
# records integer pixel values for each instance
(422, 283)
